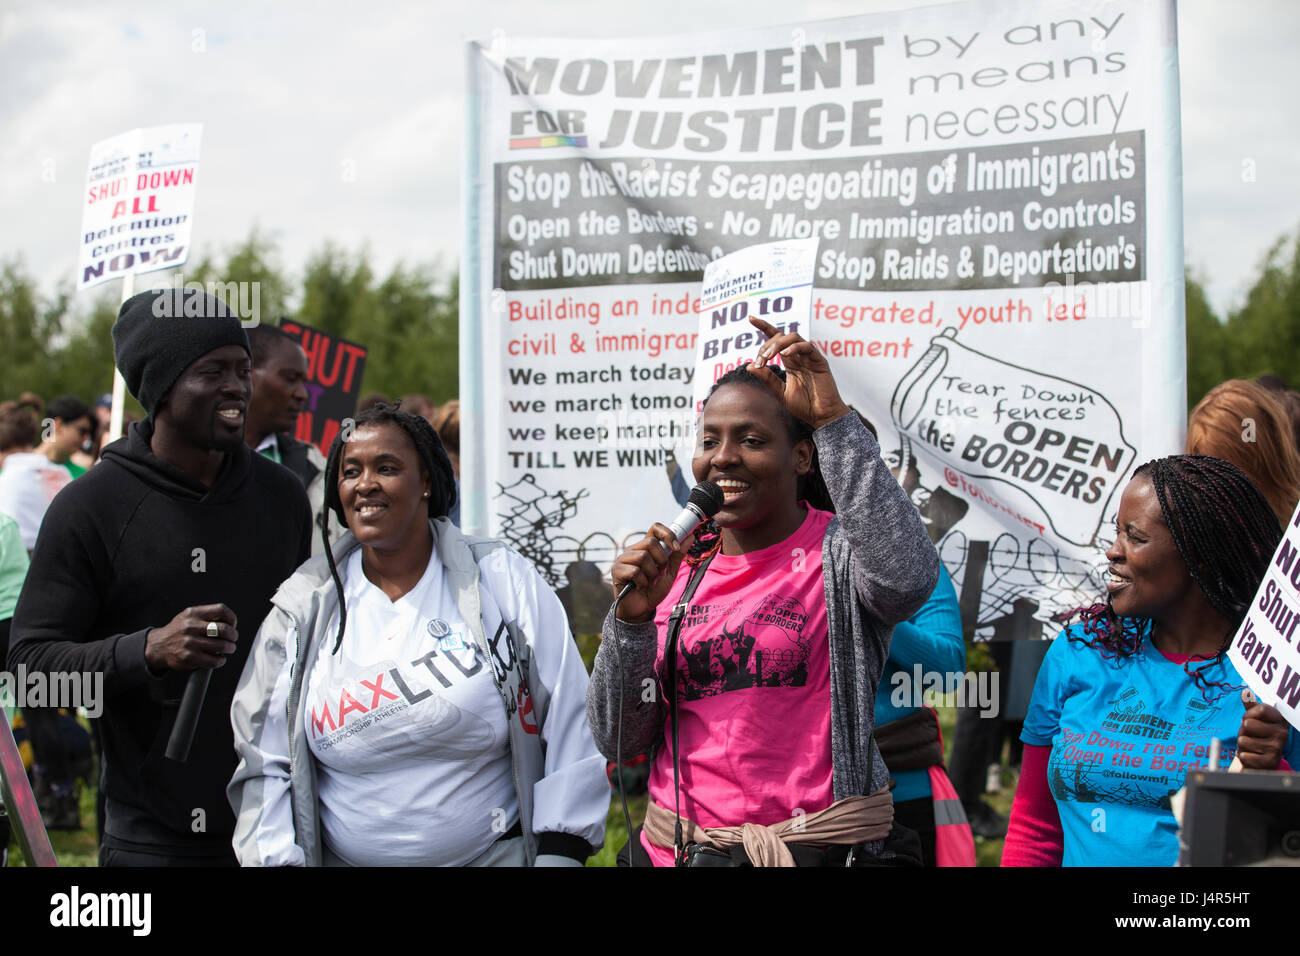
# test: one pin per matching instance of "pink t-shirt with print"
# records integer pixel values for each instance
(753, 688)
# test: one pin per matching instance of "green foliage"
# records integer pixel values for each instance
(409, 325)
(253, 260)
(25, 327)
(408, 320)
(48, 347)
(1206, 343)
(1263, 335)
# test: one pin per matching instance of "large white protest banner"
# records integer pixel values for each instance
(139, 202)
(1266, 648)
(996, 191)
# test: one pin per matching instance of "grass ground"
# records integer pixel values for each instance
(71, 848)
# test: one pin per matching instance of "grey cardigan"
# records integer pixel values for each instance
(879, 567)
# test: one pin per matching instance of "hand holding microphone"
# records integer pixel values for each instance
(198, 639)
(187, 642)
(639, 572)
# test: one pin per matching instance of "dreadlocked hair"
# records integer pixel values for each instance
(812, 486)
(433, 462)
(1226, 533)
(708, 539)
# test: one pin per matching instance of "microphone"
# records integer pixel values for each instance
(187, 718)
(705, 501)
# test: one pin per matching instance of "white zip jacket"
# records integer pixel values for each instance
(559, 776)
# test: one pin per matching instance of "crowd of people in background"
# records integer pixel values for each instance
(365, 541)
(45, 447)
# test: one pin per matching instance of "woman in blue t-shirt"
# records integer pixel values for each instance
(1130, 699)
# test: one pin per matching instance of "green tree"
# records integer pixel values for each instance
(408, 326)
(56, 345)
(407, 320)
(336, 293)
(84, 365)
(1206, 343)
(28, 328)
(417, 340)
(1264, 334)
(255, 264)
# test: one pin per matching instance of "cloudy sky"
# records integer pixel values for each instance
(292, 96)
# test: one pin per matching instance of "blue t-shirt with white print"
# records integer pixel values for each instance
(1124, 731)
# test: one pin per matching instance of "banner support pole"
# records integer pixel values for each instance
(119, 383)
(473, 513)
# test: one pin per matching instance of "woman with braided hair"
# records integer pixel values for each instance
(1129, 697)
(783, 640)
(415, 696)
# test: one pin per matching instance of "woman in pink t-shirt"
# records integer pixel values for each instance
(815, 555)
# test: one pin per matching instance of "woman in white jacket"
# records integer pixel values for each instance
(415, 697)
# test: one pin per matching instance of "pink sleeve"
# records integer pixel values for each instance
(1034, 836)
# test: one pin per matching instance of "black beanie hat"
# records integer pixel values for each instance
(159, 333)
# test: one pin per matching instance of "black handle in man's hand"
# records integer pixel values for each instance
(187, 718)
(196, 640)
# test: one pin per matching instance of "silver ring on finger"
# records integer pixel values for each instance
(214, 629)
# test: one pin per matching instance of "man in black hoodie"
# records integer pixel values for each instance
(160, 561)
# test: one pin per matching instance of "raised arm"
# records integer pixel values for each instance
(894, 567)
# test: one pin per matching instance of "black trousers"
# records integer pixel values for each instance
(49, 748)
(977, 741)
(122, 853)
(918, 815)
